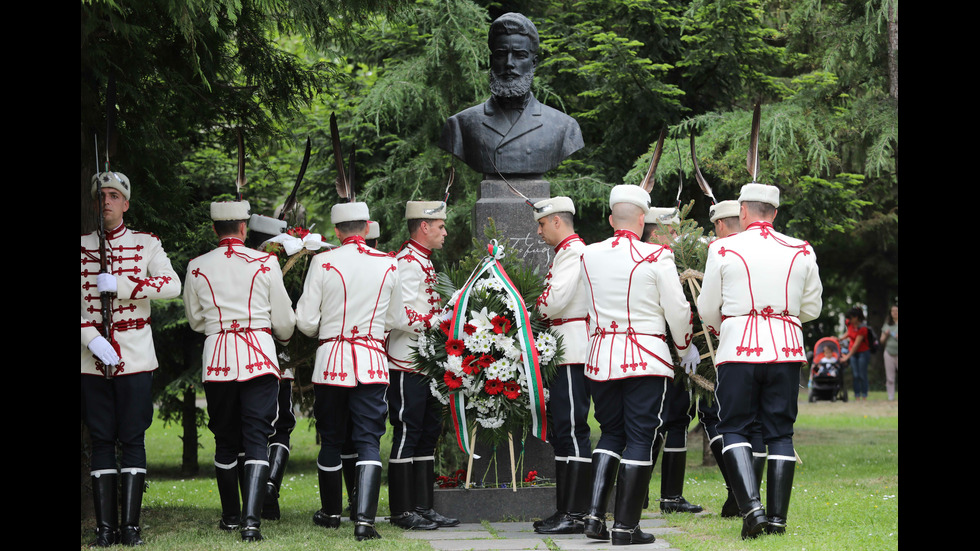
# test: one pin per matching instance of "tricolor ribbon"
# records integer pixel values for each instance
(532, 368)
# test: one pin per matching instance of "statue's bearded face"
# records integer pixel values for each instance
(512, 64)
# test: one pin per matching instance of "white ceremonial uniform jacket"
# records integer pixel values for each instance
(351, 294)
(143, 272)
(235, 296)
(563, 301)
(421, 301)
(634, 294)
(759, 286)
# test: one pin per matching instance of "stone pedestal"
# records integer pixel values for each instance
(495, 504)
(513, 218)
(493, 466)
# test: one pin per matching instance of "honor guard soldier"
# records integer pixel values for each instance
(117, 369)
(759, 287)
(348, 453)
(563, 304)
(235, 296)
(261, 228)
(678, 407)
(351, 294)
(416, 415)
(724, 217)
(634, 295)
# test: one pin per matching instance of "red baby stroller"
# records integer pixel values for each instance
(826, 373)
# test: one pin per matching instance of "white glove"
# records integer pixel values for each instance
(691, 359)
(103, 351)
(106, 283)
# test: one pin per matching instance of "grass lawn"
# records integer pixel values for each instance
(845, 493)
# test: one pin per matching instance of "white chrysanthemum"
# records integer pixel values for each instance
(511, 303)
(479, 342)
(490, 422)
(503, 369)
(434, 388)
(423, 346)
(547, 346)
(454, 364)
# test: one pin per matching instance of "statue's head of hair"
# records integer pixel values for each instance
(513, 23)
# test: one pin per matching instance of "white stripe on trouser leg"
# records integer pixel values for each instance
(571, 408)
(782, 458)
(660, 423)
(401, 412)
(736, 445)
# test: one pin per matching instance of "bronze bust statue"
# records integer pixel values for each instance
(512, 133)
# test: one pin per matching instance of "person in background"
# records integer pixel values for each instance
(889, 339)
(858, 353)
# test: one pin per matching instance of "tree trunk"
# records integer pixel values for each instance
(893, 51)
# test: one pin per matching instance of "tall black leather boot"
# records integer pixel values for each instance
(578, 492)
(738, 461)
(366, 506)
(573, 500)
(231, 505)
(673, 467)
(778, 490)
(105, 492)
(631, 489)
(278, 457)
(605, 468)
(132, 501)
(349, 462)
(759, 468)
(331, 497)
(424, 472)
(730, 508)
(560, 466)
(256, 475)
(401, 489)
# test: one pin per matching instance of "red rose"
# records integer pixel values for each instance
(501, 325)
(454, 347)
(493, 386)
(452, 381)
(531, 475)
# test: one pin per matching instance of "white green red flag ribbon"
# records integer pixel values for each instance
(532, 368)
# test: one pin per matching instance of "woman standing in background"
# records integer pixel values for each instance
(889, 338)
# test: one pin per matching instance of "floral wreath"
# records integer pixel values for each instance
(490, 356)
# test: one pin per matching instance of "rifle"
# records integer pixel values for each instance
(106, 297)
